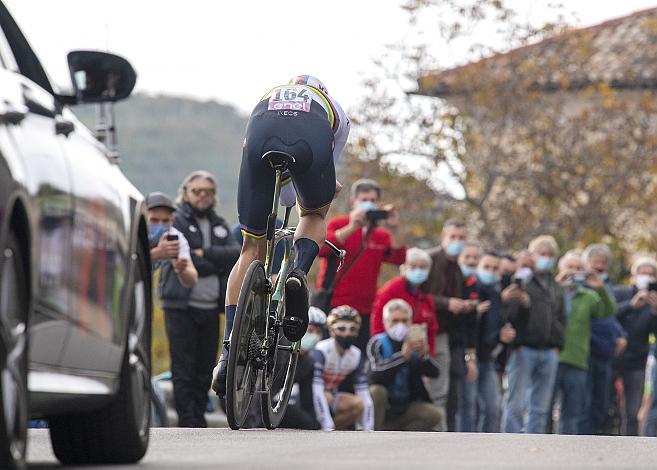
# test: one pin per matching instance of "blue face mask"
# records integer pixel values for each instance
(468, 271)
(417, 276)
(544, 263)
(487, 278)
(366, 205)
(155, 232)
(454, 248)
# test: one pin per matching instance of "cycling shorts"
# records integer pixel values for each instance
(308, 137)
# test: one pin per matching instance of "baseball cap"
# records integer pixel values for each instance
(159, 199)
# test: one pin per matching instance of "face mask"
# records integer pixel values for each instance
(345, 342)
(200, 213)
(366, 205)
(309, 341)
(487, 278)
(579, 278)
(454, 248)
(642, 281)
(468, 271)
(604, 276)
(397, 332)
(544, 263)
(155, 232)
(417, 276)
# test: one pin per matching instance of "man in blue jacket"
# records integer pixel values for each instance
(637, 313)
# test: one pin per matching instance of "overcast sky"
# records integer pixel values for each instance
(233, 51)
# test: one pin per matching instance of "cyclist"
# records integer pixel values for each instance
(302, 120)
(338, 362)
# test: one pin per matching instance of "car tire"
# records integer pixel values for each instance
(13, 357)
(118, 433)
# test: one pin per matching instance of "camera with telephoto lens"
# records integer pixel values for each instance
(373, 216)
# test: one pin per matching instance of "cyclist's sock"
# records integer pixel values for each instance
(305, 252)
(230, 318)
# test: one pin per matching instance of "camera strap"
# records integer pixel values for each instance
(353, 260)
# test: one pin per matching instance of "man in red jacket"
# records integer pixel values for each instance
(370, 236)
(407, 287)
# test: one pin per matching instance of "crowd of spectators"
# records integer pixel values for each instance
(465, 337)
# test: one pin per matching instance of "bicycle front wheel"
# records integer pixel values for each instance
(278, 379)
(247, 337)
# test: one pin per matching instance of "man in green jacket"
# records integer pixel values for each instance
(585, 297)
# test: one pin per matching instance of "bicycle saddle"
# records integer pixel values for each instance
(278, 160)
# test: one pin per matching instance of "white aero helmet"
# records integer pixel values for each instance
(316, 316)
(309, 80)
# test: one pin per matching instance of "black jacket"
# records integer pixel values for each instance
(542, 325)
(638, 323)
(218, 259)
(490, 323)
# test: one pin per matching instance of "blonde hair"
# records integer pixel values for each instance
(194, 175)
(543, 240)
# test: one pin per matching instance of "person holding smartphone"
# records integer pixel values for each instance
(398, 361)
(167, 243)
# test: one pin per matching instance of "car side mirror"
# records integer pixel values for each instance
(100, 77)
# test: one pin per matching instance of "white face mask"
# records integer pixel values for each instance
(397, 332)
(642, 281)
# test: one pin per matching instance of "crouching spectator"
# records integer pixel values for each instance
(338, 363)
(397, 363)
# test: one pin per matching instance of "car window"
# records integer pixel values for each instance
(6, 57)
(27, 62)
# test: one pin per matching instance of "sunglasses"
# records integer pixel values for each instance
(203, 191)
(344, 328)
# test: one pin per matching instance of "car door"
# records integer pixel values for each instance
(37, 163)
(99, 257)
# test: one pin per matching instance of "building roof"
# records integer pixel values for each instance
(621, 53)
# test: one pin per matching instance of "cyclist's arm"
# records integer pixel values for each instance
(363, 392)
(322, 410)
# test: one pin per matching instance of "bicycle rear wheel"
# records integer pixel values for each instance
(278, 378)
(248, 334)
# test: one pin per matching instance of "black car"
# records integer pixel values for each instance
(75, 284)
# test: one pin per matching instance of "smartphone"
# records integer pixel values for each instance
(417, 332)
(652, 286)
(518, 282)
(172, 237)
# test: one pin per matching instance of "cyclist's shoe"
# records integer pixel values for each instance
(219, 373)
(295, 322)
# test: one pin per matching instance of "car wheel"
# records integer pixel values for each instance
(13, 357)
(119, 432)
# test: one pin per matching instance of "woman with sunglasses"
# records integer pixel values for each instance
(337, 365)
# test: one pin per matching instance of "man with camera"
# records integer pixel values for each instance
(192, 314)
(637, 314)
(371, 236)
(536, 310)
(398, 361)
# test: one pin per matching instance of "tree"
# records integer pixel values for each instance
(526, 143)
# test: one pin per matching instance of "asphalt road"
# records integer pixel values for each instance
(216, 449)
